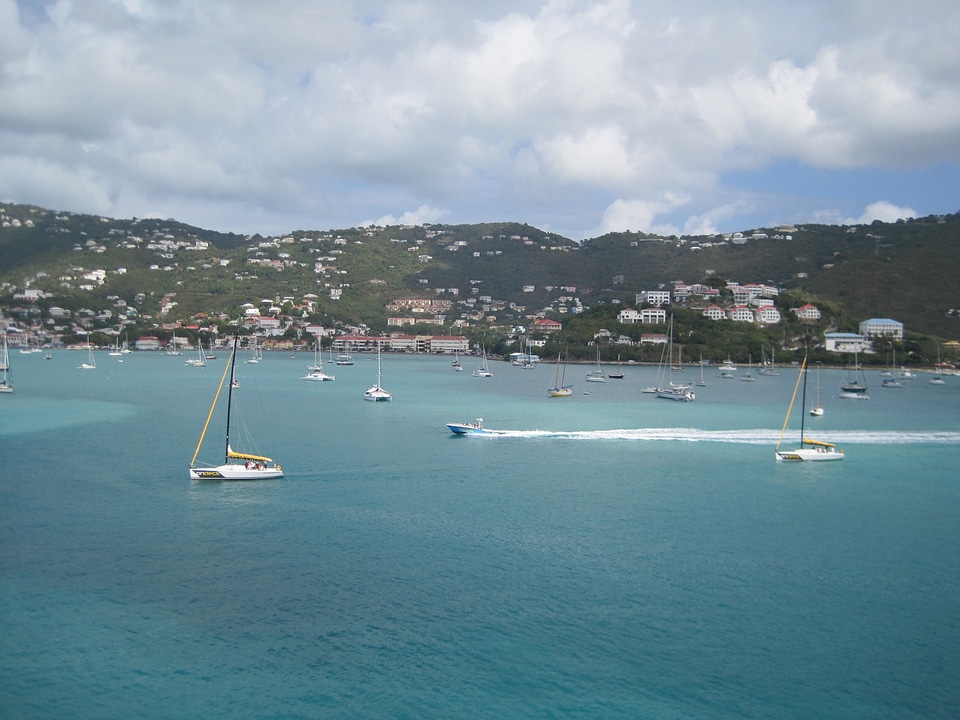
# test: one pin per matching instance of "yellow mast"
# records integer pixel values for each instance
(796, 387)
(212, 408)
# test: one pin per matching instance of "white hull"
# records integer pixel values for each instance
(561, 392)
(377, 394)
(237, 471)
(809, 455)
(318, 376)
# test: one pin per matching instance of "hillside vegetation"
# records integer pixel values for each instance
(909, 271)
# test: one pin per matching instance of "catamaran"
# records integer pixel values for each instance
(236, 465)
(809, 450)
(377, 393)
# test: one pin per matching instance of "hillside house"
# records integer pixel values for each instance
(807, 312)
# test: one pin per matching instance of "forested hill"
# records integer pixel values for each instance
(908, 270)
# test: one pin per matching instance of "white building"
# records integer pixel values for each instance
(882, 327)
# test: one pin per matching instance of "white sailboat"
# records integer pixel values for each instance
(748, 376)
(817, 410)
(257, 354)
(809, 450)
(200, 360)
(701, 382)
(377, 393)
(172, 346)
(597, 375)
(672, 391)
(116, 352)
(482, 371)
(91, 363)
(345, 358)
(316, 373)
(559, 389)
(6, 384)
(456, 361)
(236, 465)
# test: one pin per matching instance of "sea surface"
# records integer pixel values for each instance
(613, 555)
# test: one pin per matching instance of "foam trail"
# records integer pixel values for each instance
(744, 437)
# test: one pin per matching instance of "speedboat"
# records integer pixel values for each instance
(468, 428)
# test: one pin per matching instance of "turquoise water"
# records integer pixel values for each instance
(611, 556)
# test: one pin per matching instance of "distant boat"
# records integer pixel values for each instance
(257, 354)
(117, 352)
(768, 368)
(482, 371)
(172, 346)
(474, 428)
(200, 360)
(345, 358)
(559, 389)
(6, 384)
(618, 373)
(236, 465)
(748, 376)
(891, 382)
(597, 375)
(817, 410)
(809, 450)
(701, 382)
(727, 368)
(91, 363)
(318, 375)
(671, 391)
(377, 393)
(854, 383)
(456, 361)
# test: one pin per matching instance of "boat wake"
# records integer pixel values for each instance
(743, 437)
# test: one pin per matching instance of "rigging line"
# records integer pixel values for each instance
(210, 414)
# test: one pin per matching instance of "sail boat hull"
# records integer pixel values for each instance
(809, 455)
(236, 471)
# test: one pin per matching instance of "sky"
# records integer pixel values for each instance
(577, 117)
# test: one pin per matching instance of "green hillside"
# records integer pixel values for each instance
(495, 274)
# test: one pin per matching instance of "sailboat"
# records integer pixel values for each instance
(345, 358)
(701, 382)
(682, 393)
(200, 360)
(618, 373)
(257, 354)
(482, 371)
(172, 346)
(90, 364)
(236, 465)
(748, 376)
(456, 361)
(316, 373)
(817, 410)
(377, 393)
(116, 352)
(6, 386)
(809, 450)
(597, 374)
(771, 367)
(853, 386)
(559, 389)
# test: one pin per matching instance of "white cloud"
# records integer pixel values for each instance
(421, 215)
(882, 211)
(544, 111)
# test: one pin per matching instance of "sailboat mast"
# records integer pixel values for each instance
(233, 363)
(803, 399)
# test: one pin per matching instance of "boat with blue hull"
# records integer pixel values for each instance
(468, 428)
